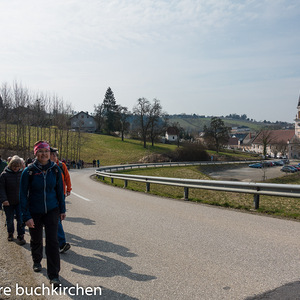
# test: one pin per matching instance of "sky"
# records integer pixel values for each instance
(205, 57)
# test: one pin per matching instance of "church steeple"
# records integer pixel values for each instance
(297, 120)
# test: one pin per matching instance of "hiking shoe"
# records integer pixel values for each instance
(55, 282)
(37, 267)
(21, 240)
(10, 237)
(64, 248)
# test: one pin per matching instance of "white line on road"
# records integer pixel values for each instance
(86, 199)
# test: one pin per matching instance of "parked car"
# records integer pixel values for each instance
(278, 163)
(288, 169)
(257, 165)
(296, 167)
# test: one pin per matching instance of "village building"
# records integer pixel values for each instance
(84, 122)
(294, 143)
(171, 134)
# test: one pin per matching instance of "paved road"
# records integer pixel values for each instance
(138, 246)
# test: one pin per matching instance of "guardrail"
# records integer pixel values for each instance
(257, 189)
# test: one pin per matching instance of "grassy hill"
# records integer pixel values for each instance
(196, 123)
(111, 150)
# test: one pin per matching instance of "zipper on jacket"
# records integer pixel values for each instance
(45, 193)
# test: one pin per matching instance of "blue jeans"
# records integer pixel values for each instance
(10, 212)
(61, 234)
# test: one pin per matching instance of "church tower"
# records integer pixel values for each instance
(297, 121)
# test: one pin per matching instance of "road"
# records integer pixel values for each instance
(138, 246)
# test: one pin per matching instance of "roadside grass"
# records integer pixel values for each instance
(282, 207)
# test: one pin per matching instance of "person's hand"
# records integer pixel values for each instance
(5, 203)
(30, 223)
(68, 194)
(62, 216)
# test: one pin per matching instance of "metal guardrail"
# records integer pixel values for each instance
(257, 189)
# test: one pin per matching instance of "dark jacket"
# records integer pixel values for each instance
(41, 190)
(9, 186)
(3, 165)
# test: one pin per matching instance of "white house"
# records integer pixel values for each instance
(171, 134)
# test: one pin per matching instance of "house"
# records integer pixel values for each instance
(277, 142)
(84, 122)
(171, 134)
(247, 142)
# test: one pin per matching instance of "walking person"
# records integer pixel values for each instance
(42, 204)
(63, 245)
(9, 198)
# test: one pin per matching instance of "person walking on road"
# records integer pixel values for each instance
(9, 198)
(42, 204)
(63, 245)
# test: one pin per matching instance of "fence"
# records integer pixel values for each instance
(257, 189)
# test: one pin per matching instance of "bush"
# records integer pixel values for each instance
(190, 152)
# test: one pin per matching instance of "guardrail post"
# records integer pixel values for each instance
(147, 187)
(125, 183)
(111, 180)
(256, 201)
(186, 194)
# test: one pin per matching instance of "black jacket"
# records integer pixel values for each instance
(10, 186)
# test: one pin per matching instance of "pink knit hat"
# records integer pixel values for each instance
(41, 145)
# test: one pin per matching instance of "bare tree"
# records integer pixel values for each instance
(123, 116)
(156, 124)
(142, 112)
(265, 137)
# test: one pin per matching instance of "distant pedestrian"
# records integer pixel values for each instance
(94, 163)
(98, 163)
(79, 164)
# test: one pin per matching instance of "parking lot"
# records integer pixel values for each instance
(248, 174)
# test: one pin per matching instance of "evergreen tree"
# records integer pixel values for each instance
(111, 112)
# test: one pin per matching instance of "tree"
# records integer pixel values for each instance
(265, 137)
(124, 124)
(142, 112)
(99, 116)
(110, 110)
(217, 133)
(156, 125)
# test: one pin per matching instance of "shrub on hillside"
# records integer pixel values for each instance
(190, 152)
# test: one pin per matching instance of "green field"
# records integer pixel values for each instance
(112, 151)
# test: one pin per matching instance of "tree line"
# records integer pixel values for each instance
(28, 116)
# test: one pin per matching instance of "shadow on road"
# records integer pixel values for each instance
(98, 245)
(106, 294)
(99, 265)
(289, 291)
(84, 221)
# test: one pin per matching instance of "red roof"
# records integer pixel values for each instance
(275, 136)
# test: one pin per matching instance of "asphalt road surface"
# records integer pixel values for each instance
(138, 246)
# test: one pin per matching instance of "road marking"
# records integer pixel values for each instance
(86, 199)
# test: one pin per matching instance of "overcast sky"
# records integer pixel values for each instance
(209, 57)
